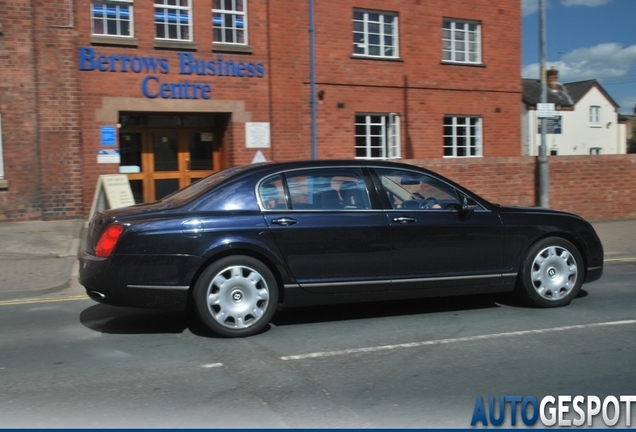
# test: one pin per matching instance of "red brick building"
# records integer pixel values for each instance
(172, 90)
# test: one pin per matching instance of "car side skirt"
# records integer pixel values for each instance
(296, 295)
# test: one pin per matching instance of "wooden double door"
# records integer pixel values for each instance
(161, 160)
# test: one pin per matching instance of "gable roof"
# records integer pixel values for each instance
(575, 90)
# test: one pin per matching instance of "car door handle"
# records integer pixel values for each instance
(285, 221)
(403, 220)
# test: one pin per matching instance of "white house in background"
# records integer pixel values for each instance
(586, 120)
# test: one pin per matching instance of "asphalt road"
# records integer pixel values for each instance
(68, 362)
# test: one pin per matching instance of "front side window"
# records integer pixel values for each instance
(461, 41)
(595, 115)
(229, 21)
(375, 34)
(112, 18)
(377, 136)
(173, 20)
(462, 136)
(409, 190)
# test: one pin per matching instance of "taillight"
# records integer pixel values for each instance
(108, 240)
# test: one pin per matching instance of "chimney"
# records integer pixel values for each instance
(553, 78)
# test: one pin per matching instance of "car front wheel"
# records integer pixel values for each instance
(552, 273)
(236, 296)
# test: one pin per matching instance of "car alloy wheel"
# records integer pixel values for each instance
(552, 273)
(236, 296)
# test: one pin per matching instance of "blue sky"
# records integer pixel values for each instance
(586, 39)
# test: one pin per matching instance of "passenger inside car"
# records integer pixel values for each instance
(270, 196)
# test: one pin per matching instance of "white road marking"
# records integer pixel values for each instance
(452, 340)
(211, 365)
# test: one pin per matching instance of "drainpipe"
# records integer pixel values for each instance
(312, 79)
(543, 168)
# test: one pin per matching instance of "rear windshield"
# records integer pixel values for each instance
(192, 191)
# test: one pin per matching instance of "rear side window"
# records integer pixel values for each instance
(316, 189)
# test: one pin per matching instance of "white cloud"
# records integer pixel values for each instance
(590, 3)
(528, 7)
(607, 60)
(627, 105)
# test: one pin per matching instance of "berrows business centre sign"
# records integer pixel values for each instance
(153, 67)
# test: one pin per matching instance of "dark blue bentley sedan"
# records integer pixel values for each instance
(240, 243)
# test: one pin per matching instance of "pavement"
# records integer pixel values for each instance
(39, 258)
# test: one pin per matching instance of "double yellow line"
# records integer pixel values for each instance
(36, 300)
(619, 260)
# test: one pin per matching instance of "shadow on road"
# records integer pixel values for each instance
(117, 320)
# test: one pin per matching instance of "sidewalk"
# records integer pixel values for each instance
(39, 258)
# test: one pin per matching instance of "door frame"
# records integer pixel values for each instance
(184, 174)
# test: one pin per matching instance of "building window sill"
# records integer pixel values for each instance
(178, 45)
(446, 62)
(231, 48)
(4, 184)
(110, 40)
(364, 57)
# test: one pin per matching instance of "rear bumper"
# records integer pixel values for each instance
(137, 281)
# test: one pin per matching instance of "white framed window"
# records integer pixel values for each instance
(462, 136)
(461, 41)
(229, 21)
(595, 115)
(375, 34)
(173, 20)
(112, 18)
(377, 136)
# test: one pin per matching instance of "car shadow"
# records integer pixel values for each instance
(118, 320)
(355, 311)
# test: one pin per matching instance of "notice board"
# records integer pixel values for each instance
(112, 191)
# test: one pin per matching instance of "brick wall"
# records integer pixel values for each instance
(20, 199)
(595, 187)
(40, 112)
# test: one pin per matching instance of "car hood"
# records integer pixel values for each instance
(533, 210)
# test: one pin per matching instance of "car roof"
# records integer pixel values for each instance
(327, 163)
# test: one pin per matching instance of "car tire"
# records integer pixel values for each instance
(236, 296)
(551, 274)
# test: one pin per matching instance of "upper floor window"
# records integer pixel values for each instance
(461, 41)
(112, 18)
(173, 20)
(377, 136)
(375, 34)
(462, 136)
(595, 115)
(229, 21)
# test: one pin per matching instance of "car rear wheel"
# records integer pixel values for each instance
(236, 296)
(552, 273)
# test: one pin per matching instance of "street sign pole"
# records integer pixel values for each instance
(542, 160)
